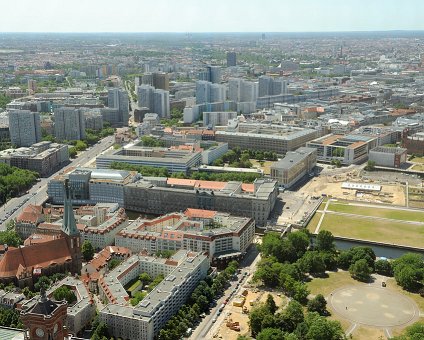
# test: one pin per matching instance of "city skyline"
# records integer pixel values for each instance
(234, 16)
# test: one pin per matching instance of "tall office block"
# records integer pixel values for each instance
(156, 100)
(161, 104)
(240, 90)
(211, 74)
(269, 86)
(24, 127)
(231, 59)
(206, 92)
(118, 99)
(69, 124)
(32, 86)
(161, 81)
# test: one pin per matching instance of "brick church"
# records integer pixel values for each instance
(59, 253)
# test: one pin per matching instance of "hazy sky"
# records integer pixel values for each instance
(211, 15)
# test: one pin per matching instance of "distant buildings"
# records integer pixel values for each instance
(182, 272)
(220, 235)
(211, 74)
(44, 157)
(69, 124)
(231, 59)
(294, 166)
(240, 90)
(156, 100)
(159, 80)
(266, 137)
(24, 127)
(118, 99)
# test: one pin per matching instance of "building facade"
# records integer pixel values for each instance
(24, 127)
(69, 124)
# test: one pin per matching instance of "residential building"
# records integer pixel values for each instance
(266, 137)
(156, 100)
(183, 271)
(240, 90)
(294, 166)
(268, 86)
(414, 143)
(211, 74)
(43, 157)
(208, 92)
(172, 159)
(164, 195)
(391, 157)
(69, 124)
(214, 152)
(93, 119)
(220, 235)
(24, 127)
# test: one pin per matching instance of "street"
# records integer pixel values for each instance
(209, 325)
(38, 193)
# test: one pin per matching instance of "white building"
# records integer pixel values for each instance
(24, 127)
(69, 124)
(182, 272)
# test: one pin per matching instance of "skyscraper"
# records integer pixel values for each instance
(240, 90)
(269, 86)
(211, 74)
(206, 92)
(161, 81)
(231, 59)
(156, 100)
(69, 124)
(32, 86)
(24, 127)
(118, 99)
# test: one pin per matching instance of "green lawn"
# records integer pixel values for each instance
(374, 230)
(394, 214)
(418, 167)
(334, 280)
(418, 160)
(312, 225)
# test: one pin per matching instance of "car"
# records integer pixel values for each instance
(383, 284)
(213, 320)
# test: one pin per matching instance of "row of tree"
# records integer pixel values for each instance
(241, 158)
(197, 304)
(14, 181)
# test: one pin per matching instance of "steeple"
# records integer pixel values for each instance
(69, 225)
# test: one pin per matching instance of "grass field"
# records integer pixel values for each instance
(369, 333)
(374, 230)
(418, 160)
(312, 225)
(266, 168)
(335, 280)
(401, 215)
(418, 167)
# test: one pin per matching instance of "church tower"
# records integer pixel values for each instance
(69, 228)
(45, 320)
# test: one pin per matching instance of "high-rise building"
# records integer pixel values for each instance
(118, 99)
(207, 92)
(240, 90)
(211, 74)
(69, 124)
(269, 86)
(231, 59)
(24, 127)
(161, 81)
(156, 100)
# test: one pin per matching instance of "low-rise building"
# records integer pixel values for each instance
(348, 149)
(44, 157)
(214, 152)
(218, 234)
(164, 195)
(414, 143)
(392, 157)
(182, 272)
(174, 160)
(294, 166)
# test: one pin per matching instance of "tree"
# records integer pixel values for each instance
(370, 166)
(11, 238)
(325, 241)
(72, 152)
(65, 293)
(312, 263)
(113, 263)
(300, 242)
(301, 292)
(413, 332)
(271, 334)
(270, 303)
(87, 250)
(256, 316)
(360, 270)
(383, 267)
(145, 278)
(409, 271)
(318, 304)
(291, 316)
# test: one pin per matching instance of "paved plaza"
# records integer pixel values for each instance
(373, 306)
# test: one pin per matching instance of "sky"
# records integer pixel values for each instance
(212, 15)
